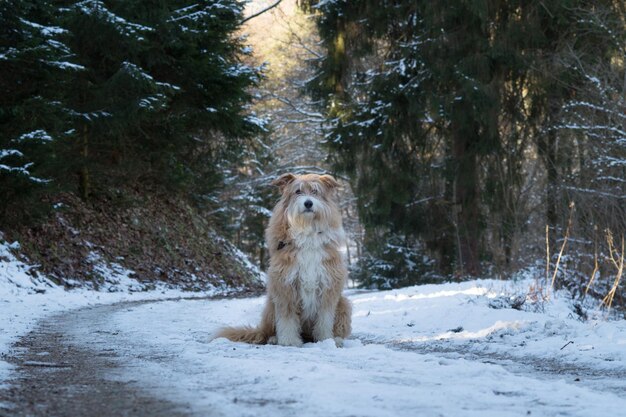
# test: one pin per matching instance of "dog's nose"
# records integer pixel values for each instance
(308, 204)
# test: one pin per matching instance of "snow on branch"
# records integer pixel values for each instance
(199, 13)
(23, 170)
(317, 116)
(98, 8)
(44, 30)
(10, 152)
(64, 65)
(36, 135)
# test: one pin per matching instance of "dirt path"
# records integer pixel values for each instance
(59, 376)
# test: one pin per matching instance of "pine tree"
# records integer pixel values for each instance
(163, 91)
(34, 66)
(434, 107)
(144, 93)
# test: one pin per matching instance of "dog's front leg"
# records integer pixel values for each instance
(323, 328)
(325, 320)
(288, 327)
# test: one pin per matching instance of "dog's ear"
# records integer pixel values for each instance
(283, 181)
(329, 181)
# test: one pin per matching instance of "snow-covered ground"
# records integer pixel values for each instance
(27, 297)
(428, 350)
(452, 349)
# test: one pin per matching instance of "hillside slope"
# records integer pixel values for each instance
(151, 237)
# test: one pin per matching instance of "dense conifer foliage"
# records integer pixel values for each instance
(452, 120)
(98, 95)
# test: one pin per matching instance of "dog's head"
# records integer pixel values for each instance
(309, 201)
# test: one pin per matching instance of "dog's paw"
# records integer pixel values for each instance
(339, 342)
(290, 341)
(272, 340)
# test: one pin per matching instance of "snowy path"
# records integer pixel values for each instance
(62, 376)
(429, 351)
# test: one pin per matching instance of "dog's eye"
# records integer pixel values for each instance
(314, 192)
(298, 192)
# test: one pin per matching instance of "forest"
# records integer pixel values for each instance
(471, 129)
(456, 247)
(473, 138)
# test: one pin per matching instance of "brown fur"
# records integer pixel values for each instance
(307, 273)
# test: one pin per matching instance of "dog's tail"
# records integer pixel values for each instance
(259, 335)
(246, 334)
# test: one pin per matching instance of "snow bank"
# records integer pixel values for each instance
(467, 316)
(26, 296)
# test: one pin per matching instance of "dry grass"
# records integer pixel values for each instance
(604, 265)
(618, 263)
(558, 259)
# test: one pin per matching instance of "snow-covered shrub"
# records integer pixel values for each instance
(396, 263)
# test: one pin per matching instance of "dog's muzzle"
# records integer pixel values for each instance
(308, 206)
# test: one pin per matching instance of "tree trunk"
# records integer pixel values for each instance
(262, 258)
(553, 178)
(467, 205)
(546, 148)
(84, 185)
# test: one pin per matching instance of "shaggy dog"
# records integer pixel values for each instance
(307, 272)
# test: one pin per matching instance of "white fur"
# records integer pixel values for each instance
(310, 274)
(310, 232)
(308, 270)
(288, 331)
(323, 328)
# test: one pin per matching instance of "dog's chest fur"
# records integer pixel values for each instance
(309, 273)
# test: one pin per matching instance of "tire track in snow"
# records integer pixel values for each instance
(601, 380)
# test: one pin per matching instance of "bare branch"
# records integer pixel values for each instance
(268, 8)
(315, 115)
